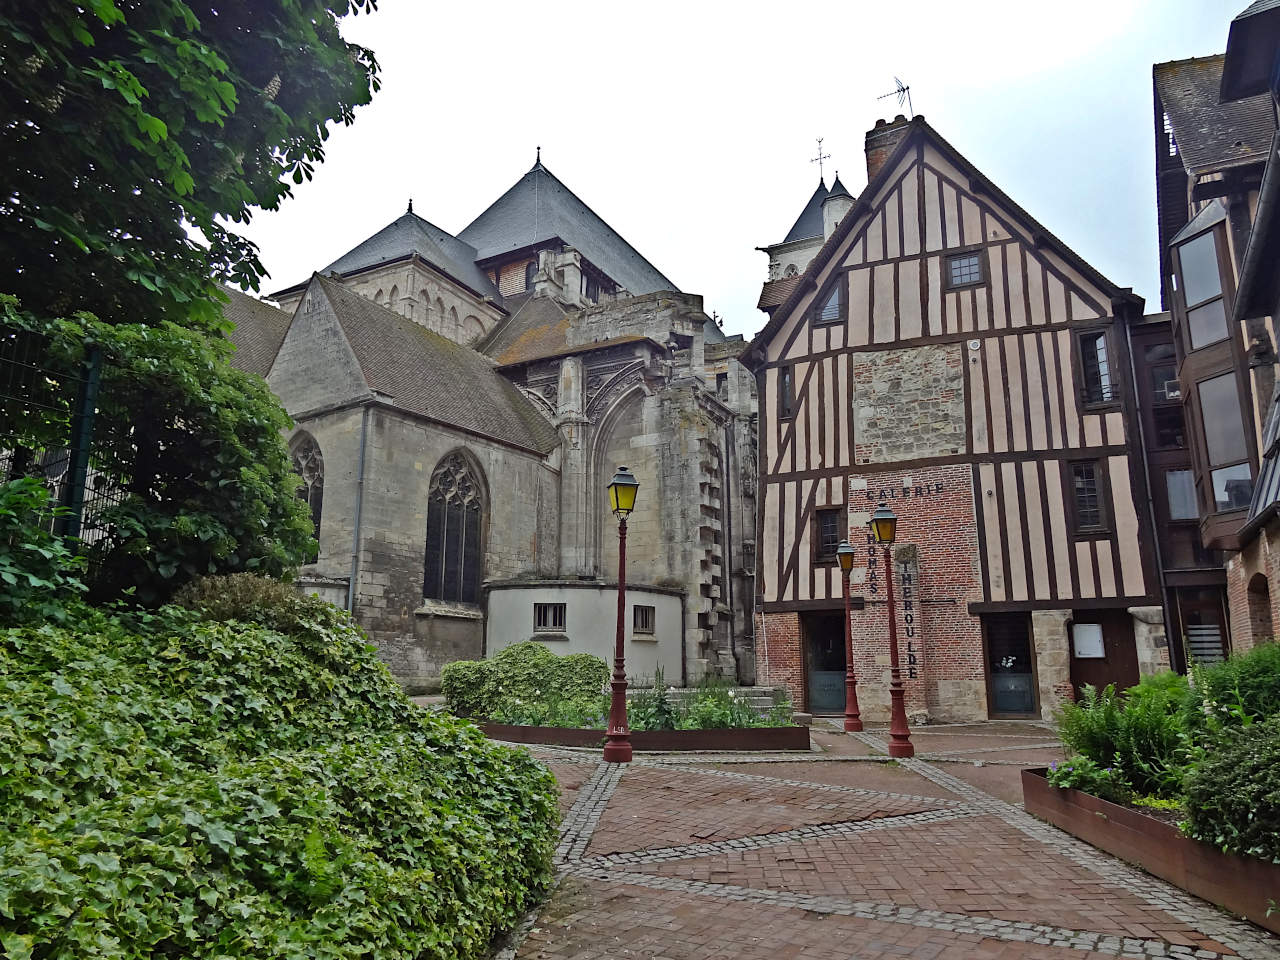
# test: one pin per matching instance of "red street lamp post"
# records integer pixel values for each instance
(852, 717)
(622, 500)
(884, 526)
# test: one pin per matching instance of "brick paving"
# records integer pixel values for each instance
(839, 854)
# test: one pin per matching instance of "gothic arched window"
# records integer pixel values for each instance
(309, 465)
(455, 532)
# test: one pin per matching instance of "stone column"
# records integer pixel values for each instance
(575, 502)
(1052, 644)
(1149, 640)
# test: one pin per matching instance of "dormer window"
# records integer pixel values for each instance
(964, 270)
(829, 306)
(1201, 284)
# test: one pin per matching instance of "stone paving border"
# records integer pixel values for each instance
(945, 754)
(1022, 932)
(760, 841)
(584, 816)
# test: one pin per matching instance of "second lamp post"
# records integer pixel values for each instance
(884, 526)
(622, 500)
(852, 717)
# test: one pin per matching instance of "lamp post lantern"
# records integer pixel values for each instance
(622, 500)
(852, 716)
(884, 527)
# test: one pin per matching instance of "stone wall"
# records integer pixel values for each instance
(908, 403)
(1149, 640)
(417, 637)
(1052, 643)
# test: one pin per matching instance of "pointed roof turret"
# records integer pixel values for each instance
(838, 189)
(809, 223)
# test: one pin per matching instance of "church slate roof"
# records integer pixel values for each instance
(1210, 134)
(809, 223)
(539, 208)
(410, 234)
(259, 331)
(537, 327)
(424, 373)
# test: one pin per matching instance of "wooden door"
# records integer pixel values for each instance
(824, 653)
(1102, 649)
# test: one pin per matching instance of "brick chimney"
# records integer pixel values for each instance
(882, 141)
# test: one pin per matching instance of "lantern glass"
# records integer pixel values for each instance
(884, 525)
(622, 493)
(844, 553)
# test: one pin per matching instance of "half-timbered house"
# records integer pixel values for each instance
(944, 353)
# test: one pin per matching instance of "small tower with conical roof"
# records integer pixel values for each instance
(837, 203)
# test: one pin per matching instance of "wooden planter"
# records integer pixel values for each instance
(1242, 885)
(749, 738)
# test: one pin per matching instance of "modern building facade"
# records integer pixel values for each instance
(944, 353)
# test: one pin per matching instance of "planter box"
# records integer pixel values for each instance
(750, 738)
(1242, 885)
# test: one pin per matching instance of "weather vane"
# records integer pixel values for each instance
(819, 158)
(903, 92)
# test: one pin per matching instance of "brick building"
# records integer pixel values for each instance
(1215, 132)
(940, 351)
(461, 403)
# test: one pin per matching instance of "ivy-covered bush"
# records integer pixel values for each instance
(520, 674)
(39, 571)
(174, 786)
(1233, 792)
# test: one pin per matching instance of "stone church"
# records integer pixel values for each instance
(461, 402)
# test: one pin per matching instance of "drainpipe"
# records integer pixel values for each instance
(355, 537)
(1177, 659)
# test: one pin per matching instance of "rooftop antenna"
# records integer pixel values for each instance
(903, 92)
(819, 158)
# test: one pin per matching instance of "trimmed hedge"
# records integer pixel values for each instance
(520, 674)
(1233, 793)
(173, 786)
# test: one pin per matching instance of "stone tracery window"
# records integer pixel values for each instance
(309, 465)
(455, 532)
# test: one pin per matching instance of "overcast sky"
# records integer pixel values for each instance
(689, 127)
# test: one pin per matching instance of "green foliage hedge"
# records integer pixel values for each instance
(519, 674)
(1211, 746)
(172, 786)
(38, 570)
(1233, 793)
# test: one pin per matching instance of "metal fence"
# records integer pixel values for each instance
(46, 431)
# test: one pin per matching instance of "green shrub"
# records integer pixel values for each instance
(586, 713)
(1142, 733)
(716, 707)
(254, 599)
(1083, 773)
(1243, 688)
(1233, 792)
(172, 786)
(39, 571)
(526, 672)
(650, 707)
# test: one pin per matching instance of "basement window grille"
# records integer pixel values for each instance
(642, 619)
(548, 617)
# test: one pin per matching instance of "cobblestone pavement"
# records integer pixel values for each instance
(841, 853)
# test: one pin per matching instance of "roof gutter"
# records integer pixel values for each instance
(1265, 215)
